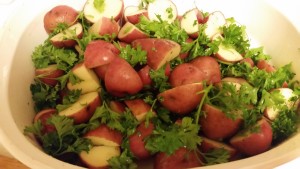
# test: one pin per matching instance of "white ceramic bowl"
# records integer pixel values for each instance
(265, 25)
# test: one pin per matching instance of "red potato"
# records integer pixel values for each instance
(181, 158)
(186, 73)
(249, 61)
(227, 53)
(83, 109)
(137, 143)
(98, 156)
(264, 65)
(287, 93)
(107, 8)
(67, 37)
(104, 136)
(59, 14)
(190, 22)
(144, 75)
(208, 145)
(182, 99)
(254, 141)
(159, 51)
(43, 116)
(165, 8)
(89, 80)
(139, 108)
(105, 26)
(101, 71)
(213, 23)
(210, 67)
(116, 106)
(236, 81)
(49, 74)
(121, 79)
(216, 125)
(130, 32)
(99, 52)
(132, 14)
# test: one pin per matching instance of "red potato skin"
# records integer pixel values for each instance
(43, 116)
(135, 18)
(49, 74)
(157, 50)
(101, 71)
(182, 99)
(264, 65)
(139, 108)
(216, 125)
(99, 53)
(137, 143)
(144, 75)
(121, 79)
(105, 26)
(116, 106)
(210, 67)
(249, 61)
(186, 73)
(85, 114)
(181, 158)
(104, 131)
(130, 32)
(254, 143)
(59, 14)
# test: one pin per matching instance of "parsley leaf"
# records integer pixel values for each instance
(46, 54)
(124, 161)
(44, 96)
(159, 79)
(134, 56)
(65, 139)
(68, 100)
(99, 5)
(169, 138)
(216, 156)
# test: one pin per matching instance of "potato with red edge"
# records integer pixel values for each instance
(132, 14)
(130, 32)
(207, 145)
(137, 140)
(190, 22)
(67, 37)
(104, 136)
(186, 73)
(139, 108)
(216, 125)
(99, 52)
(98, 156)
(166, 9)
(117, 106)
(94, 10)
(49, 74)
(159, 51)
(145, 76)
(101, 71)
(59, 14)
(121, 79)
(181, 158)
(43, 116)
(182, 99)
(83, 109)
(254, 140)
(265, 65)
(210, 67)
(105, 26)
(248, 61)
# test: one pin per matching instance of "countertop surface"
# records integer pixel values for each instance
(7, 8)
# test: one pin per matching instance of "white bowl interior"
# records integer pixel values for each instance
(265, 26)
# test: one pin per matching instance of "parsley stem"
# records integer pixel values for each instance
(205, 92)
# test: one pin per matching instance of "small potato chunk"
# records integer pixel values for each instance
(59, 14)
